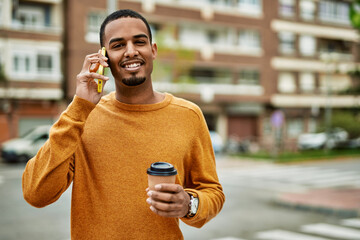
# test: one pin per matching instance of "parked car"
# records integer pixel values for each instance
(217, 142)
(24, 148)
(332, 140)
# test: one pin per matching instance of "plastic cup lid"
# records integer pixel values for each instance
(161, 169)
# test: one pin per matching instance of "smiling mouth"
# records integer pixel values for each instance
(132, 66)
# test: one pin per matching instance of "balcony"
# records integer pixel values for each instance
(208, 7)
(40, 17)
(209, 90)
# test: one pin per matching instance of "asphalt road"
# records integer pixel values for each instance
(247, 209)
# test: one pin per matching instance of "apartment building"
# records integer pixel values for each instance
(252, 65)
(244, 59)
(31, 46)
(225, 61)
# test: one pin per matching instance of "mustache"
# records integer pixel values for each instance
(137, 59)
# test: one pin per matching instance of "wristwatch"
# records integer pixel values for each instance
(193, 206)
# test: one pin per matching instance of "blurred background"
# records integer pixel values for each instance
(260, 70)
(276, 79)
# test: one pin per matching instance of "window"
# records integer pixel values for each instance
(249, 39)
(287, 8)
(36, 64)
(286, 43)
(307, 45)
(307, 82)
(286, 83)
(250, 6)
(249, 77)
(207, 75)
(31, 16)
(266, 127)
(312, 125)
(295, 127)
(94, 20)
(212, 36)
(44, 63)
(307, 9)
(334, 12)
(21, 64)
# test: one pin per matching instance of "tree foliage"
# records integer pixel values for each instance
(354, 14)
(348, 120)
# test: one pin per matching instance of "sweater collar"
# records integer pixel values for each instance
(140, 107)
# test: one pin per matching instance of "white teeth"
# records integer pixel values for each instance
(133, 65)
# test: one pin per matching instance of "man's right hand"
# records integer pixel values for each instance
(86, 87)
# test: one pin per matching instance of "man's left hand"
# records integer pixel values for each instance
(168, 200)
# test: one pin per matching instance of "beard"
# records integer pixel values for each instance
(133, 81)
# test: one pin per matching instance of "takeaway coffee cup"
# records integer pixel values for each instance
(161, 172)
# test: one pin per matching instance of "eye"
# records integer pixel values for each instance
(140, 42)
(118, 45)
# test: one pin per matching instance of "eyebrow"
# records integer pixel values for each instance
(121, 39)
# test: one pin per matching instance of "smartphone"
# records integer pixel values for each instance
(101, 71)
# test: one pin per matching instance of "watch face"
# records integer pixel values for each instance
(194, 205)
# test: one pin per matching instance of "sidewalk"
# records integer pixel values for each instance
(341, 202)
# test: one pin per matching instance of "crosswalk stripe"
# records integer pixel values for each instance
(352, 222)
(278, 234)
(261, 185)
(332, 231)
(296, 178)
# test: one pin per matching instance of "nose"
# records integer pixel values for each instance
(131, 51)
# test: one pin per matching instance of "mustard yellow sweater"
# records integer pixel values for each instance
(105, 150)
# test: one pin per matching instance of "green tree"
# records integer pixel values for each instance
(347, 120)
(354, 14)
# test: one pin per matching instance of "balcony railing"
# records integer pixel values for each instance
(15, 25)
(221, 89)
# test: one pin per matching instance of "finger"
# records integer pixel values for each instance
(168, 187)
(164, 206)
(93, 58)
(165, 213)
(91, 76)
(98, 59)
(94, 67)
(163, 196)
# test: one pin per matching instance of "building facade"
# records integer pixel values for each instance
(253, 66)
(31, 45)
(242, 61)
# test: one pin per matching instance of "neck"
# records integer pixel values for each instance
(143, 94)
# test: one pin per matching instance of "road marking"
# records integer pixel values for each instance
(332, 231)
(295, 178)
(278, 234)
(351, 222)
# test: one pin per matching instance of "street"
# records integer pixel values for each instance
(249, 211)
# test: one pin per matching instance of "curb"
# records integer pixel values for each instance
(343, 213)
(336, 202)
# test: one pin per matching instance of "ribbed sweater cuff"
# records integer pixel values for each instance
(79, 109)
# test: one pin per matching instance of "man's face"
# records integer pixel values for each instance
(129, 50)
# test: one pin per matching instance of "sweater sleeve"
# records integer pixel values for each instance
(203, 181)
(50, 172)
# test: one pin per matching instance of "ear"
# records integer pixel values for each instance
(154, 50)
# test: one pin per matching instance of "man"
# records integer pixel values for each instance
(105, 145)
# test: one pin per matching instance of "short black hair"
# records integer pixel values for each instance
(122, 13)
